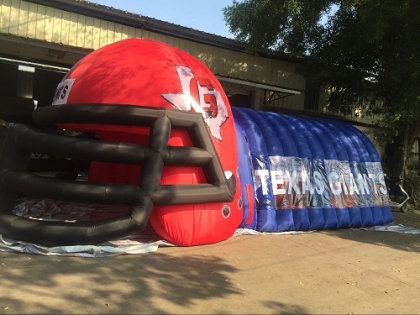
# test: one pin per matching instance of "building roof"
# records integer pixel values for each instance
(103, 12)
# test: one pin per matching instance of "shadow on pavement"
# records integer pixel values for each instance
(281, 308)
(112, 284)
(400, 241)
(410, 218)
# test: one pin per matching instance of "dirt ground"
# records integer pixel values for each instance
(329, 272)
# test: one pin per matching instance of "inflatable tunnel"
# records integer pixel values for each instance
(309, 173)
(168, 148)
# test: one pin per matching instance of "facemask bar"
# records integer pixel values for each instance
(18, 141)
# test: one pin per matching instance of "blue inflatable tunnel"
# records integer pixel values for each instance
(308, 174)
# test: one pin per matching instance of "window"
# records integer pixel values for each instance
(312, 95)
(25, 83)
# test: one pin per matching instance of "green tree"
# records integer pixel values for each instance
(366, 51)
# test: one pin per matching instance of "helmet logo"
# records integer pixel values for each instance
(199, 94)
(62, 92)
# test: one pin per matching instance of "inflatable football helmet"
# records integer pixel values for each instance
(166, 147)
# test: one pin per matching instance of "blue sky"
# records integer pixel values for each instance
(201, 15)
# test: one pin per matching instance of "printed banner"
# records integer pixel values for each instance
(292, 183)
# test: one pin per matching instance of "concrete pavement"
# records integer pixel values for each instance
(329, 272)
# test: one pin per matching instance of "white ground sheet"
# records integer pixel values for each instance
(144, 242)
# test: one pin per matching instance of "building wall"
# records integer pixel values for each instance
(49, 25)
(42, 33)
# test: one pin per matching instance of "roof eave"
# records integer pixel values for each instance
(150, 24)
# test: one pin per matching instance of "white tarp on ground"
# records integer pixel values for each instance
(399, 228)
(51, 210)
(144, 242)
(112, 248)
(390, 227)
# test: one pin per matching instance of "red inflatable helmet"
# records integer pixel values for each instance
(153, 75)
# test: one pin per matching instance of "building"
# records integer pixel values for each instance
(40, 40)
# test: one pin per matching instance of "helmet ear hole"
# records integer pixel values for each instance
(226, 211)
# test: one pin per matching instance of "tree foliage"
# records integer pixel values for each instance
(366, 51)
